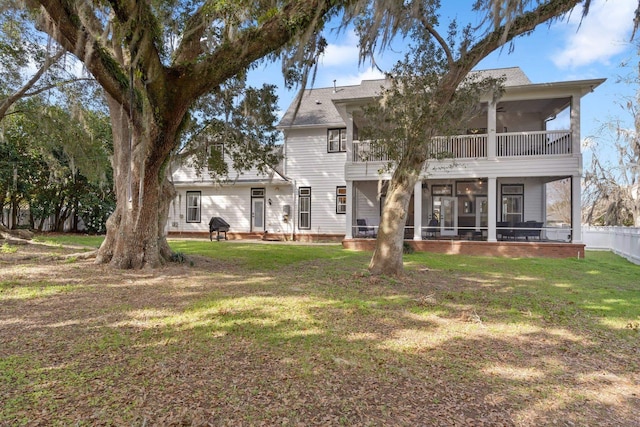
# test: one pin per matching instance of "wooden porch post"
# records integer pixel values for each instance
(349, 142)
(576, 180)
(492, 208)
(576, 211)
(349, 214)
(491, 129)
(350, 193)
(417, 210)
(574, 122)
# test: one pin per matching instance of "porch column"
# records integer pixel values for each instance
(349, 214)
(574, 122)
(491, 129)
(349, 142)
(576, 212)
(417, 210)
(576, 180)
(492, 210)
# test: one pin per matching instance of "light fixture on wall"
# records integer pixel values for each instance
(269, 201)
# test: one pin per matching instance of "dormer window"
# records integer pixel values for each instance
(337, 140)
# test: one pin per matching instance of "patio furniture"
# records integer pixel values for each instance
(218, 225)
(431, 229)
(363, 229)
(505, 230)
(528, 229)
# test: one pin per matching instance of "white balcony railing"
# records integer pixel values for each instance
(541, 143)
(512, 144)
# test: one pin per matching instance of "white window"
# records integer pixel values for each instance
(304, 208)
(341, 200)
(193, 206)
(336, 140)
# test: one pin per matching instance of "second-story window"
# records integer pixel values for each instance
(336, 140)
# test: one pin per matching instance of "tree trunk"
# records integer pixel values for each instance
(135, 231)
(15, 209)
(387, 255)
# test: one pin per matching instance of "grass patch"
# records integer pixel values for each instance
(12, 290)
(258, 256)
(295, 334)
(71, 240)
(8, 249)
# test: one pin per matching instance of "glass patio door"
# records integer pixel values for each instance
(482, 209)
(446, 210)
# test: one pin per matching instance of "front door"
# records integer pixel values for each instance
(257, 209)
(446, 210)
(257, 215)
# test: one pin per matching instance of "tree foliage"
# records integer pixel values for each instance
(155, 60)
(612, 179)
(437, 91)
(52, 160)
(234, 125)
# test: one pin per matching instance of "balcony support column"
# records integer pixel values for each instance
(417, 210)
(492, 209)
(575, 127)
(349, 211)
(576, 212)
(349, 143)
(491, 130)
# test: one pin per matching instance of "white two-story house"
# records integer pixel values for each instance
(489, 194)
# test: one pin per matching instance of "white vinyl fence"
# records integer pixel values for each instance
(624, 241)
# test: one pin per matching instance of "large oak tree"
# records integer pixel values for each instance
(444, 61)
(154, 59)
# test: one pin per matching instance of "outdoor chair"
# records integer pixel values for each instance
(528, 229)
(363, 229)
(504, 230)
(431, 229)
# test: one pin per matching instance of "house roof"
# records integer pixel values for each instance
(317, 106)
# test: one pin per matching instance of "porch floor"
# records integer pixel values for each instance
(509, 249)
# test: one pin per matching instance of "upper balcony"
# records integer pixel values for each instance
(477, 146)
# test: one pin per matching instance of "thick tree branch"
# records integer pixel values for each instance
(522, 24)
(141, 27)
(63, 23)
(190, 46)
(20, 93)
(443, 44)
(251, 45)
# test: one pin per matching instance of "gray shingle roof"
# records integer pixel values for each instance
(317, 108)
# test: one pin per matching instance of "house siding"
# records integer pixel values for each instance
(308, 160)
(532, 166)
(233, 204)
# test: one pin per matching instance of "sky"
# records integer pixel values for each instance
(571, 49)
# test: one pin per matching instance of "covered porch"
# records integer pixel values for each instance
(484, 216)
(506, 249)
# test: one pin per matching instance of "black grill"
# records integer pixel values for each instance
(218, 225)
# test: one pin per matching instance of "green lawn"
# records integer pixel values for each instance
(270, 334)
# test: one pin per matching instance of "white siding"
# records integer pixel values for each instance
(461, 169)
(186, 173)
(310, 165)
(534, 197)
(367, 205)
(233, 203)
